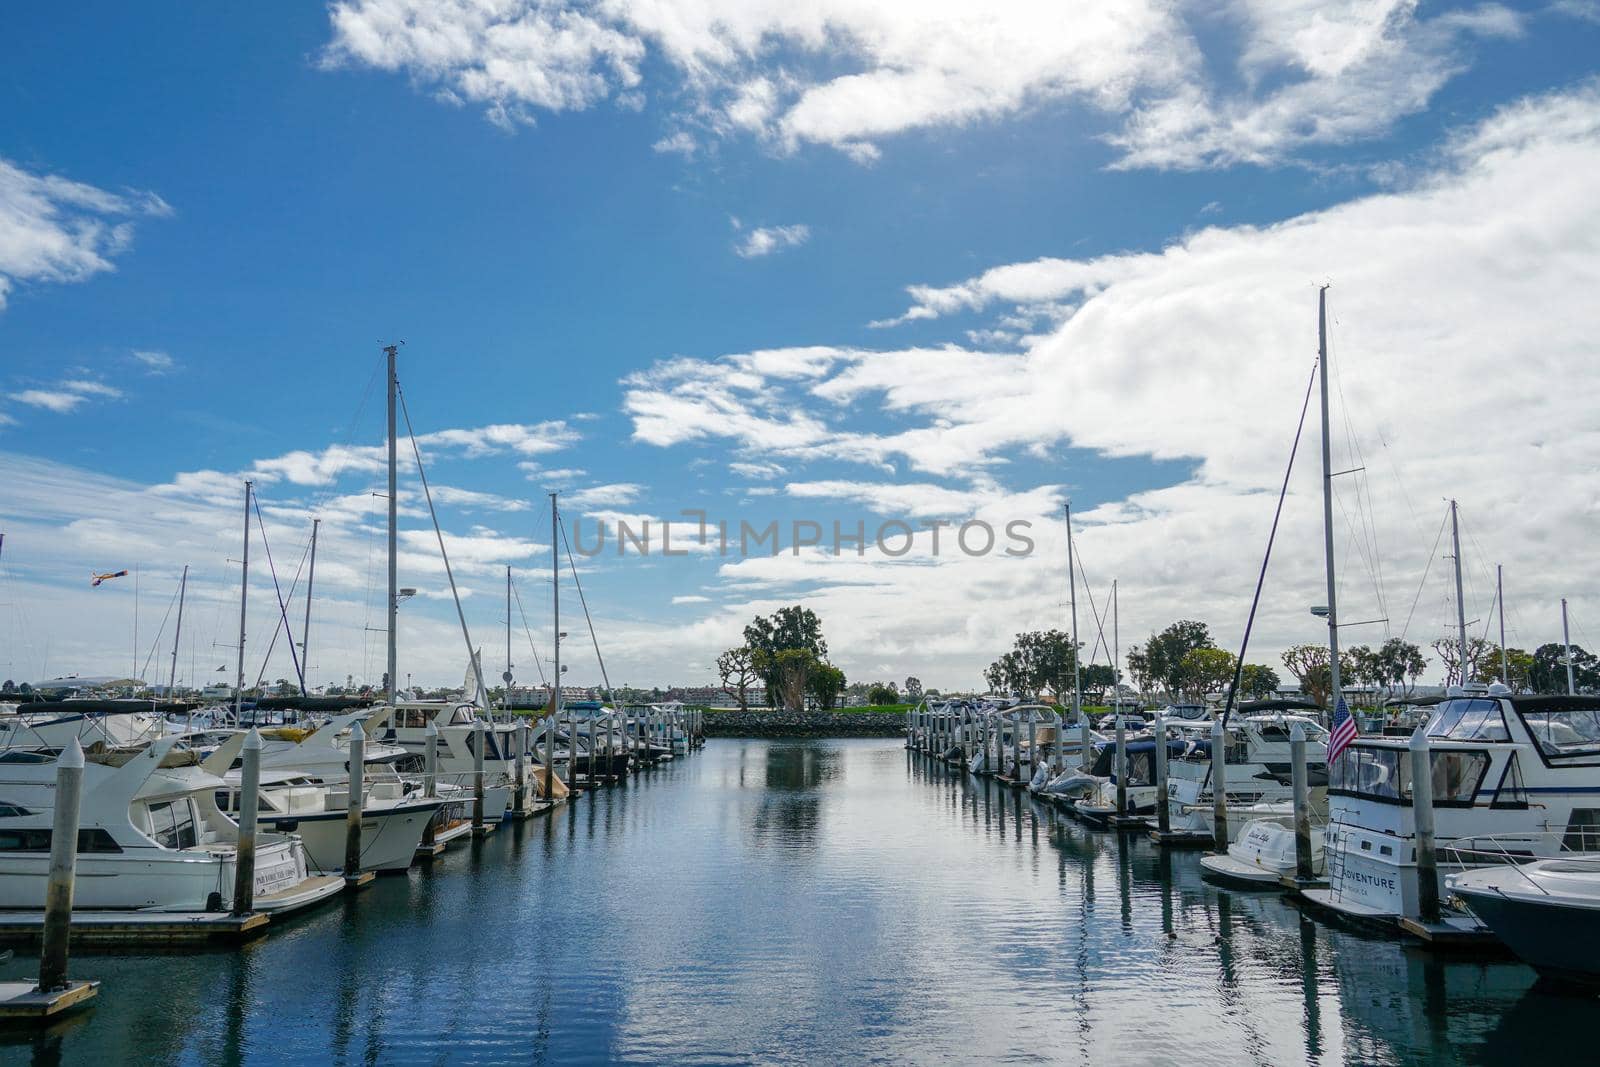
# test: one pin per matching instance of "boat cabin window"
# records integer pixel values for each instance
(1469, 720)
(463, 717)
(490, 749)
(1510, 793)
(411, 718)
(172, 824)
(1456, 777)
(1385, 774)
(1583, 830)
(11, 811)
(1367, 772)
(1565, 731)
(93, 840)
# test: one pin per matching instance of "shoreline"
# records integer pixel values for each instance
(831, 723)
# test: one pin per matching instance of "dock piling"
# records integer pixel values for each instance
(1122, 768)
(1422, 814)
(1303, 871)
(244, 862)
(63, 868)
(356, 792)
(1163, 816)
(477, 778)
(430, 782)
(1219, 785)
(521, 741)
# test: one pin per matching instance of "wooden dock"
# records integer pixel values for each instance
(117, 928)
(21, 1002)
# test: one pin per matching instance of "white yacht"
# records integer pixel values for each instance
(1258, 772)
(50, 724)
(150, 835)
(406, 725)
(1515, 778)
(392, 821)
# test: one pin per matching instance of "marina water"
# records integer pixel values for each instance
(808, 902)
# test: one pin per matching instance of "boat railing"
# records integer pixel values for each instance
(1519, 849)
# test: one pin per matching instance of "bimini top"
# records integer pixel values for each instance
(1554, 702)
(315, 703)
(66, 708)
(1254, 707)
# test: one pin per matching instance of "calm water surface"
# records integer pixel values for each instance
(809, 902)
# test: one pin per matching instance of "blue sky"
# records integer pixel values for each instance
(278, 191)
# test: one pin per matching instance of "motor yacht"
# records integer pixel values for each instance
(150, 837)
(1514, 779)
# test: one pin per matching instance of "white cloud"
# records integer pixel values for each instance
(766, 240)
(614, 495)
(1200, 354)
(691, 600)
(762, 471)
(53, 229)
(680, 142)
(155, 362)
(1178, 85)
(50, 399)
(89, 387)
(67, 396)
(470, 499)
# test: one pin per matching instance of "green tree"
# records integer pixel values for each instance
(883, 693)
(793, 670)
(791, 629)
(827, 682)
(1518, 669)
(736, 669)
(1205, 670)
(8, 686)
(1038, 660)
(1549, 671)
(1097, 679)
(1448, 649)
(1139, 669)
(1399, 664)
(1309, 665)
(1162, 655)
(1258, 681)
(913, 689)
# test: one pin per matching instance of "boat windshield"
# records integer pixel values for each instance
(1565, 731)
(1469, 720)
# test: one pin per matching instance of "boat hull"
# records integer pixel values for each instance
(389, 836)
(1559, 940)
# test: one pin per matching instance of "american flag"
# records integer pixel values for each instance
(1344, 731)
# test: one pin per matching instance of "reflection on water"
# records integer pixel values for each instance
(804, 902)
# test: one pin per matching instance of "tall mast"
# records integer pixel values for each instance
(555, 600)
(244, 591)
(1327, 498)
(394, 515)
(1566, 644)
(1116, 653)
(305, 633)
(1461, 609)
(505, 700)
(1072, 586)
(1500, 598)
(172, 676)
